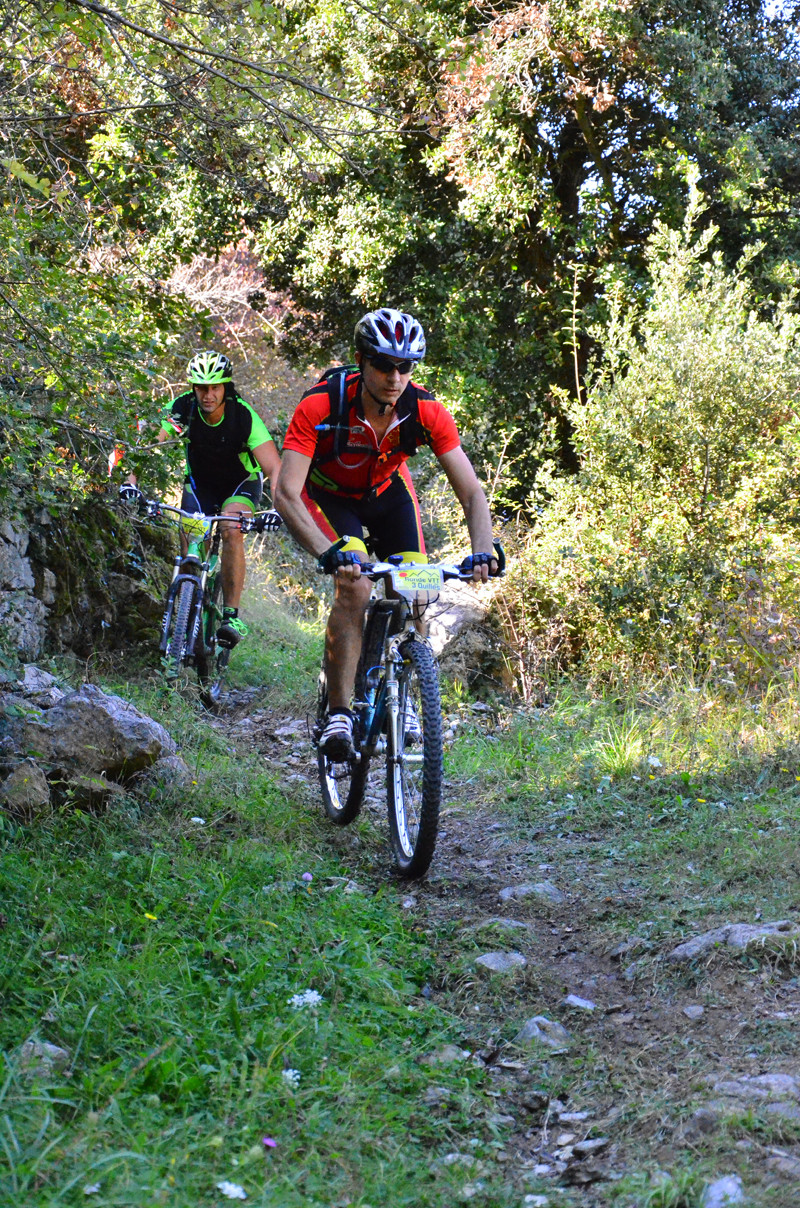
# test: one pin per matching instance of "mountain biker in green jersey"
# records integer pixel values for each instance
(228, 452)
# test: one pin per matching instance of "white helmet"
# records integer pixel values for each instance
(209, 369)
(392, 333)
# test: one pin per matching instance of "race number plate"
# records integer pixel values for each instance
(414, 580)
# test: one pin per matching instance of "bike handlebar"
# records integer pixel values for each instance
(155, 508)
(374, 570)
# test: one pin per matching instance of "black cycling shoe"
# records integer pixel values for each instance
(232, 630)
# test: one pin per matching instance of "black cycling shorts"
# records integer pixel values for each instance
(211, 500)
(392, 520)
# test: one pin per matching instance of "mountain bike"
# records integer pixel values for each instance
(193, 609)
(397, 711)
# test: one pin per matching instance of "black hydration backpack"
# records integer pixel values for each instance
(232, 434)
(411, 431)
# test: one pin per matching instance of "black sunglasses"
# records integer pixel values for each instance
(385, 365)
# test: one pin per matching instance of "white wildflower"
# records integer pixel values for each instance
(291, 1078)
(199, 821)
(309, 998)
(232, 1190)
(91, 1189)
(654, 761)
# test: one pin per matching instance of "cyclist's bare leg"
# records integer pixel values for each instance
(343, 637)
(232, 557)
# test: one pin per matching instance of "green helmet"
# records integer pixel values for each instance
(209, 369)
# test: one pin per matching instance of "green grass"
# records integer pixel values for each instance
(703, 820)
(162, 952)
(164, 964)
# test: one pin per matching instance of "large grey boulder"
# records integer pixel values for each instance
(16, 573)
(25, 791)
(23, 620)
(736, 936)
(92, 732)
(459, 607)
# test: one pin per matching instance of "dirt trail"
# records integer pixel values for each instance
(639, 1078)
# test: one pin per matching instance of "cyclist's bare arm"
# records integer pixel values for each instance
(288, 501)
(471, 496)
(269, 463)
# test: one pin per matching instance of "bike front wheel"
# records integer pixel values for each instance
(211, 659)
(178, 646)
(342, 784)
(415, 762)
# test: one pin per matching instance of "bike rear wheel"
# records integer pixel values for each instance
(415, 763)
(342, 784)
(178, 637)
(211, 659)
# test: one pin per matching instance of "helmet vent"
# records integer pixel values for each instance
(391, 333)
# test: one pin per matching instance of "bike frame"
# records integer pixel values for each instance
(381, 698)
(381, 706)
(381, 703)
(196, 566)
(199, 567)
(203, 564)
(398, 710)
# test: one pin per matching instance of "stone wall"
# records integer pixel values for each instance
(23, 609)
(80, 580)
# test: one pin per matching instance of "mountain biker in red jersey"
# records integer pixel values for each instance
(228, 452)
(327, 490)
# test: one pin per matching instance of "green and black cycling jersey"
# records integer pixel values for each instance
(218, 456)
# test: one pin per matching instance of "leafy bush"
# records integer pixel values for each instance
(677, 541)
(78, 344)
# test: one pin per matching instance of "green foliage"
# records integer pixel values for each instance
(141, 140)
(78, 347)
(494, 171)
(536, 155)
(677, 541)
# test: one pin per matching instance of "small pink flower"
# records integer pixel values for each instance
(269, 1142)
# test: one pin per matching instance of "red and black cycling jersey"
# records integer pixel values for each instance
(365, 465)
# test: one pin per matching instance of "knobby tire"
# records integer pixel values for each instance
(415, 769)
(177, 639)
(211, 659)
